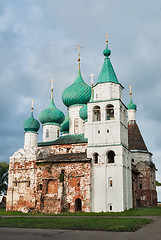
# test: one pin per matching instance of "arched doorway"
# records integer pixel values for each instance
(78, 205)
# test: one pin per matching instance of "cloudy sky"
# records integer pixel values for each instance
(37, 41)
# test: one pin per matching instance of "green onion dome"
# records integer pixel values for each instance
(51, 115)
(131, 105)
(83, 112)
(31, 124)
(65, 125)
(78, 93)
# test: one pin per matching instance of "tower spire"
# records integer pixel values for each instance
(107, 40)
(92, 75)
(32, 105)
(52, 87)
(131, 105)
(92, 97)
(78, 48)
(130, 91)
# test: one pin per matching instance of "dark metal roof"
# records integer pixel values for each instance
(135, 139)
(70, 157)
(67, 139)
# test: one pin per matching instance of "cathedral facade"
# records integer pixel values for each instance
(93, 160)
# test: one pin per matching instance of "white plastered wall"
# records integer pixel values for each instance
(30, 139)
(104, 136)
(107, 131)
(119, 196)
(107, 91)
(74, 114)
(131, 114)
(140, 157)
(50, 132)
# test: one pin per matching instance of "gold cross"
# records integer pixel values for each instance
(52, 86)
(92, 75)
(52, 83)
(107, 39)
(32, 105)
(130, 90)
(78, 48)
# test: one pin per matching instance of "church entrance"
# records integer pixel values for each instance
(78, 205)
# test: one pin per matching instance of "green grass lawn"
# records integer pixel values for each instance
(93, 223)
(144, 211)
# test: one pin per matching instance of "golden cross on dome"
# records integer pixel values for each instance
(78, 48)
(92, 75)
(107, 39)
(32, 105)
(130, 90)
(52, 86)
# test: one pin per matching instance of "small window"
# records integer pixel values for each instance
(108, 131)
(132, 160)
(58, 133)
(98, 131)
(95, 157)
(47, 133)
(96, 114)
(28, 183)
(15, 183)
(61, 177)
(141, 186)
(110, 157)
(76, 125)
(68, 149)
(109, 112)
(110, 183)
(40, 187)
(110, 207)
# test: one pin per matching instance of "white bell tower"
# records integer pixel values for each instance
(107, 133)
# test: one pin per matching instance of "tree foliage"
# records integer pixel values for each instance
(158, 184)
(3, 177)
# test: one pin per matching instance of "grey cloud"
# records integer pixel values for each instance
(37, 43)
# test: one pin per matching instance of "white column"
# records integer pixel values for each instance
(131, 114)
(75, 122)
(30, 139)
(51, 132)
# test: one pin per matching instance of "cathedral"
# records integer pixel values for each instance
(92, 160)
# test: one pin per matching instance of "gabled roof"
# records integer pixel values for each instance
(135, 139)
(67, 139)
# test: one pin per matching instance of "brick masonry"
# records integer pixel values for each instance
(58, 179)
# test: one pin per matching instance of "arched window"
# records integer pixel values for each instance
(76, 127)
(95, 157)
(28, 182)
(58, 133)
(111, 157)
(15, 182)
(109, 112)
(110, 183)
(96, 114)
(110, 207)
(61, 177)
(47, 133)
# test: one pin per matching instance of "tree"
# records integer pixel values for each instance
(158, 184)
(3, 177)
